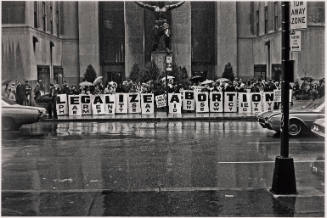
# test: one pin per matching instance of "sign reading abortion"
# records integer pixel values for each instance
(230, 102)
(147, 103)
(74, 105)
(61, 105)
(188, 101)
(244, 102)
(175, 103)
(216, 102)
(134, 103)
(202, 102)
(121, 103)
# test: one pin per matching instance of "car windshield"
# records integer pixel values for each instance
(320, 108)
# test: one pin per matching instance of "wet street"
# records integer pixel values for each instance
(155, 169)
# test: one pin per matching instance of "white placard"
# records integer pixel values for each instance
(201, 102)
(109, 103)
(216, 102)
(268, 101)
(161, 101)
(230, 102)
(295, 41)
(121, 103)
(244, 103)
(188, 100)
(277, 95)
(74, 103)
(298, 15)
(86, 105)
(98, 104)
(62, 106)
(134, 103)
(175, 103)
(257, 102)
(147, 103)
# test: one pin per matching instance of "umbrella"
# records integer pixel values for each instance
(222, 80)
(196, 78)
(207, 81)
(86, 83)
(168, 77)
(97, 80)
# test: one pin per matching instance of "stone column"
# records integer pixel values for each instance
(226, 36)
(88, 19)
(181, 36)
(134, 36)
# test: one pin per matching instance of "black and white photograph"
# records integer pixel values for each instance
(163, 108)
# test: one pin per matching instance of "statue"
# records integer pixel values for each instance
(161, 28)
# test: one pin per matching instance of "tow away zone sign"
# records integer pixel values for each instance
(298, 15)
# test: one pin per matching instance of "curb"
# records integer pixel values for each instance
(155, 119)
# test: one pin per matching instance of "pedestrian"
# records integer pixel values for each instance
(37, 92)
(28, 90)
(52, 110)
(20, 93)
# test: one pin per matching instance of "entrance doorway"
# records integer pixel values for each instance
(43, 73)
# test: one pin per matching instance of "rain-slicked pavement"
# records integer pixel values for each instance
(155, 169)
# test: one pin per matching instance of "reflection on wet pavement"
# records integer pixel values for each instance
(161, 169)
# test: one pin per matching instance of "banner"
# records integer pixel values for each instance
(188, 101)
(74, 105)
(257, 102)
(268, 101)
(86, 105)
(244, 102)
(175, 103)
(161, 101)
(109, 103)
(147, 103)
(201, 102)
(134, 103)
(98, 104)
(216, 102)
(230, 102)
(121, 103)
(62, 106)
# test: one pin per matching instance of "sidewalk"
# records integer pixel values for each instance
(157, 117)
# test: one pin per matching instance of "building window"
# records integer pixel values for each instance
(266, 19)
(258, 23)
(51, 19)
(57, 18)
(44, 18)
(275, 16)
(35, 15)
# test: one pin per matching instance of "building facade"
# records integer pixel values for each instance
(56, 41)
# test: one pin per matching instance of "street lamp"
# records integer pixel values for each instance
(284, 175)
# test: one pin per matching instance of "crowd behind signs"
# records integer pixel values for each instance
(186, 101)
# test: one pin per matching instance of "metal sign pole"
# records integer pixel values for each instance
(284, 176)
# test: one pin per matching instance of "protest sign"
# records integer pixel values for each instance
(121, 103)
(62, 106)
(98, 104)
(147, 103)
(134, 103)
(109, 103)
(175, 103)
(256, 99)
(161, 101)
(268, 101)
(201, 102)
(230, 102)
(216, 102)
(188, 101)
(86, 105)
(74, 105)
(244, 102)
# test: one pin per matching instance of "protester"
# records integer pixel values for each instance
(28, 91)
(20, 93)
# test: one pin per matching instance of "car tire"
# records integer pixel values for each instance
(295, 128)
(9, 124)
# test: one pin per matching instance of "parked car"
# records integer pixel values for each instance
(15, 115)
(318, 127)
(299, 121)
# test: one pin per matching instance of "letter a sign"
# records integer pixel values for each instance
(298, 15)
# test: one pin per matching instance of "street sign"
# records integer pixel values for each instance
(295, 41)
(298, 15)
